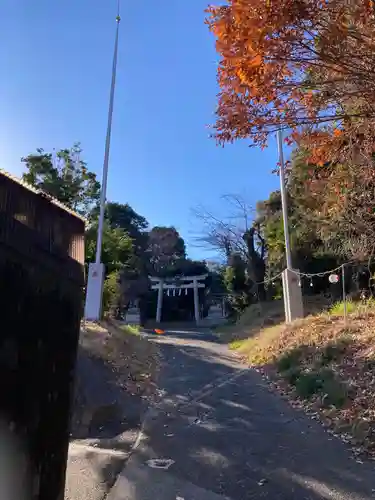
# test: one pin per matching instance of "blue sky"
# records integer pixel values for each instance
(54, 85)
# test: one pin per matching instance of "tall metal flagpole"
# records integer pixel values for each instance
(95, 277)
(103, 194)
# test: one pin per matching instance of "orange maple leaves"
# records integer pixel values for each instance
(306, 66)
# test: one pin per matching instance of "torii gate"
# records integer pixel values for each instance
(162, 284)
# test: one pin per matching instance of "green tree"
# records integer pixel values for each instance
(112, 292)
(117, 249)
(186, 267)
(165, 248)
(269, 219)
(122, 216)
(64, 176)
(216, 282)
(134, 270)
(237, 285)
(311, 253)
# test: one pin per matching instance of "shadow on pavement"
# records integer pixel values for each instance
(103, 409)
(228, 434)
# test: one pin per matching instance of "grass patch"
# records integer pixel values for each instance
(338, 309)
(353, 307)
(236, 345)
(264, 315)
(305, 354)
(132, 329)
(325, 361)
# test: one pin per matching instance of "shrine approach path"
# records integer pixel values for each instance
(218, 432)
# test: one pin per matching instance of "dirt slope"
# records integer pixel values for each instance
(326, 365)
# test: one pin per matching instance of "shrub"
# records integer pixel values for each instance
(111, 292)
(308, 384)
(322, 382)
(334, 393)
(292, 375)
(334, 351)
(289, 359)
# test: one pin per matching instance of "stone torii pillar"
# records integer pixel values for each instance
(160, 301)
(196, 300)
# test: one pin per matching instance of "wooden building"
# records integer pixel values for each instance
(41, 303)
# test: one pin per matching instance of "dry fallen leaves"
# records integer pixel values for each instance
(354, 422)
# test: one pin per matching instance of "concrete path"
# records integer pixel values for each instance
(223, 434)
(94, 465)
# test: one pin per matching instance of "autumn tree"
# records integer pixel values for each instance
(335, 203)
(304, 66)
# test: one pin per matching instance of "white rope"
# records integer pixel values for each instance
(322, 273)
(268, 280)
(306, 275)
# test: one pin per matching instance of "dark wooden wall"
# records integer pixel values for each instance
(41, 285)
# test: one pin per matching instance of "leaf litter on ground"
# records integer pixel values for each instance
(335, 360)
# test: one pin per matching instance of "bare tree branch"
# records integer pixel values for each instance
(225, 234)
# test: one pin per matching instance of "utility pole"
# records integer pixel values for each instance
(284, 199)
(292, 292)
(96, 270)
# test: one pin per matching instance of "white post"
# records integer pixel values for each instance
(196, 301)
(284, 199)
(160, 302)
(344, 292)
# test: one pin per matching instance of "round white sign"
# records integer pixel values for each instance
(333, 278)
